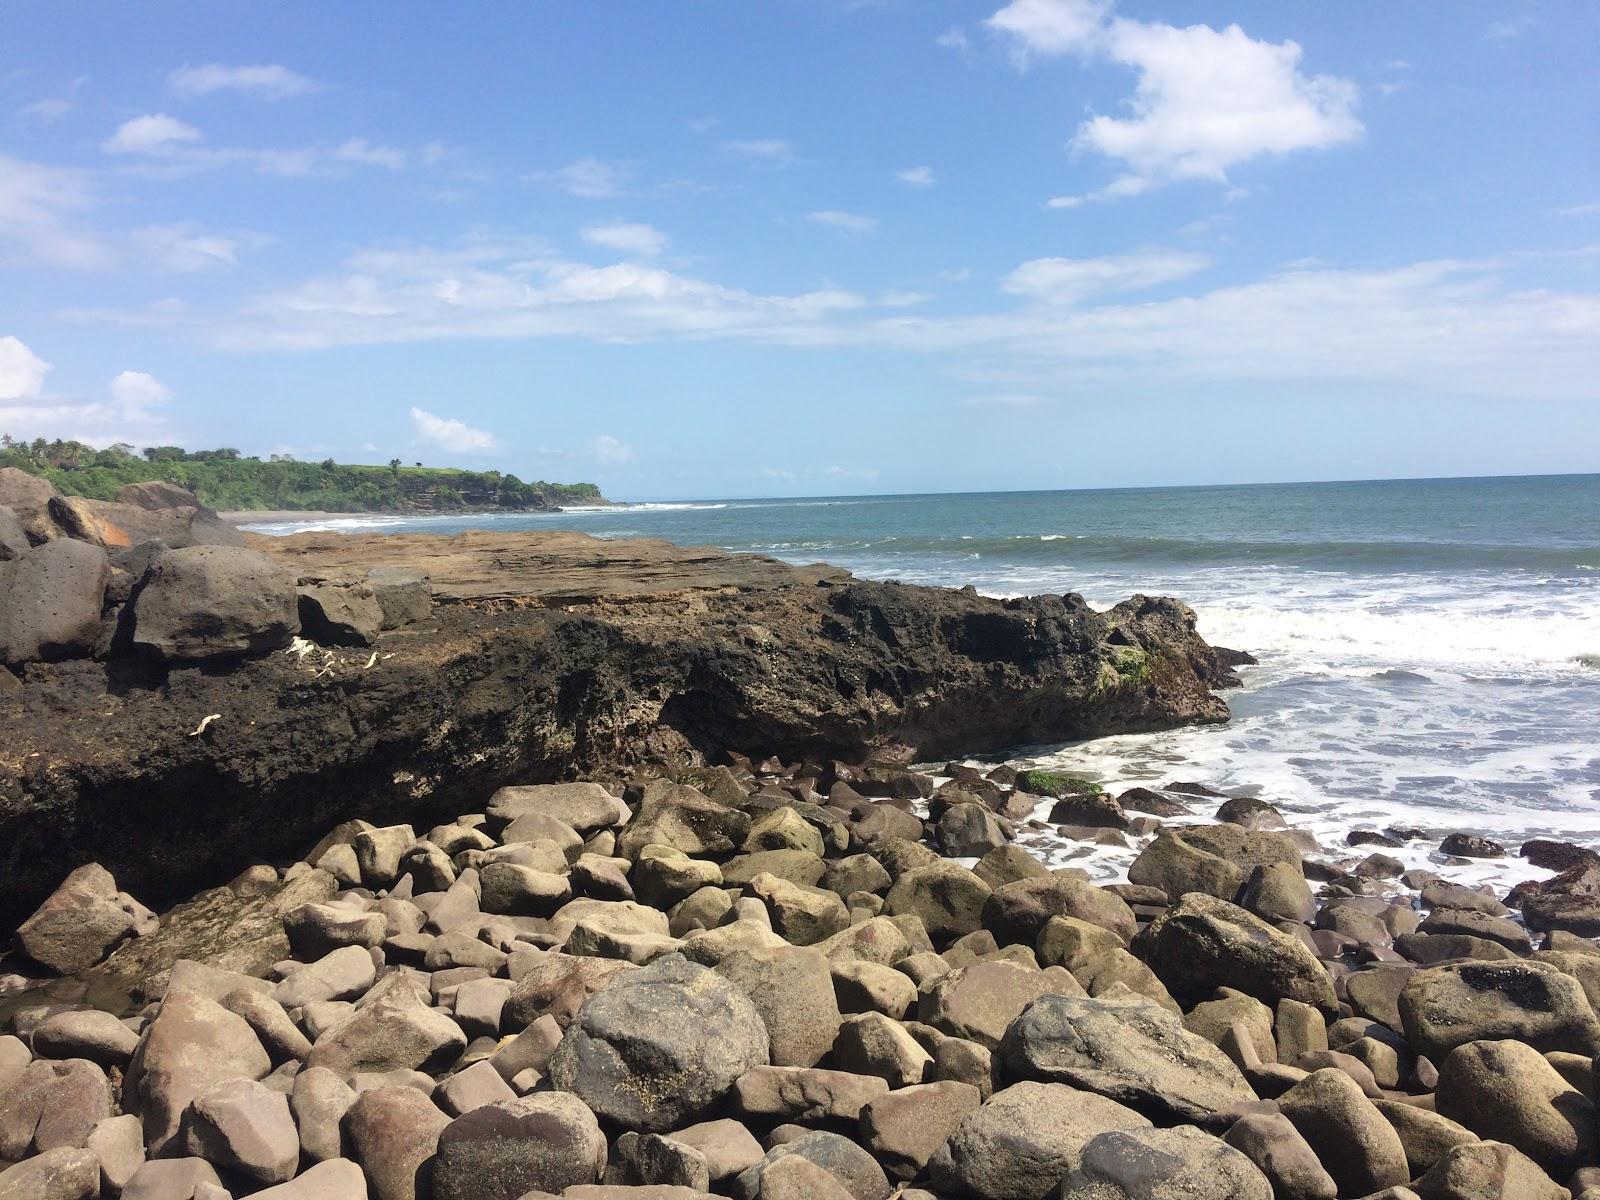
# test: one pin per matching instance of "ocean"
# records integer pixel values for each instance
(1429, 649)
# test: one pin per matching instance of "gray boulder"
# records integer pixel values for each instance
(1488, 1171)
(85, 1033)
(545, 1142)
(14, 541)
(856, 1170)
(1164, 1164)
(904, 1129)
(1020, 1142)
(660, 1045)
(1353, 1141)
(1445, 1007)
(792, 990)
(979, 1002)
(585, 807)
(50, 602)
(1202, 944)
(79, 923)
(672, 814)
(244, 1127)
(65, 1173)
(404, 595)
(214, 601)
(393, 1029)
(1016, 913)
(945, 896)
(1507, 1091)
(1126, 1048)
(340, 614)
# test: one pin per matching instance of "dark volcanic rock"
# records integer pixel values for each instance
(50, 601)
(214, 601)
(523, 676)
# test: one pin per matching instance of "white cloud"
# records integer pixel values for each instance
(627, 238)
(1003, 400)
(27, 411)
(184, 249)
(446, 433)
(359, 150)
(610, 451)
(1505, 31)
(1205, 100)
(22, 371)
(916, 176)
(773, 150)
(1068, 280)
(268, 81)
(48, 110)
(1050, 27)
(954, 38)
(589, 178)
(39, 211)
(847, 221)
(137, 393)
(154, 134)
(1579, 210)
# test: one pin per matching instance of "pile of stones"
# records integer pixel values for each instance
(159, 576)
(768, 982)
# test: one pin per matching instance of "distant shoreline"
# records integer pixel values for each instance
(276, 515)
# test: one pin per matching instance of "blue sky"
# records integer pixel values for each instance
(810, 246)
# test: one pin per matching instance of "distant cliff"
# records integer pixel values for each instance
(223, 479)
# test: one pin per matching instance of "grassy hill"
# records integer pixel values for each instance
(227, 480)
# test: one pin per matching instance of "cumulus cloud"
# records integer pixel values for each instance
(446, 433)
(152, 134)
(270, 81)
(1069, 280)
(627, 238)
(916, 176)
(849, 222)
(26, 410)
(22, 371)
(1205, 100)
(610, 451)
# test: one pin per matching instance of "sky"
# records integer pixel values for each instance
(802, 247)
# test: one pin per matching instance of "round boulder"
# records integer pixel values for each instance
(545, 1142)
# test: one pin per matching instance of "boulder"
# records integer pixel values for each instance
(1128, 1049)
(660, 1046)
(1488, 1171)
(1016, 912)
(192, 1045)
(806, 1094)
(52, 1104)
(336, 1179)
(244, 1127)
(118, 526)
(393, 1131)
(1445, 1007)
(671, 814)
(50, 602)
(319, 1100)
(29, 496)
(1202, 943)
(946, 897)
(557, 984)
(782, 828)
(1353, 1141)
(393, 1028)
(904, 1129)
(214, 601)
(969, 831)
(793, 992)
(979, 1002)
(513, 890)
(727, 1147)
(157, 494)
(870, 987)
(800, 915)
(404, 595)
(1163, 1164)
(65, 1173)
(1177, 867)
(584, 807)
(80, 922)
(13, 538)
(856, 1170)
(85, 1033)
(1021, 1141)
(340, 614)
(1271, 1141)
(872, 1044)
(1507, 1091)
(544, 1142)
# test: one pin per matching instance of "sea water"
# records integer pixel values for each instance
(1429, 649)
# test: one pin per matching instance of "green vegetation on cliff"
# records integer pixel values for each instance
(224, 479)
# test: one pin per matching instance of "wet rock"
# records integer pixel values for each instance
(79, 924)
(1127, 1049)
(50, 602)
(660, 1045)
(205, 602)
(1164, 1164)
(1468, 845)
(545, 1142)
(1353, 1141)
(1023, 1140)
(1202, 943)
(1445, 1007)
(1506, 1091)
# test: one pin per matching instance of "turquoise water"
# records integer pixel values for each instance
(1430, 649)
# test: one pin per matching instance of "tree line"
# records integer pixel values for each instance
(225, 479)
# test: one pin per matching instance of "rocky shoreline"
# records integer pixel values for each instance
(779, 980)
